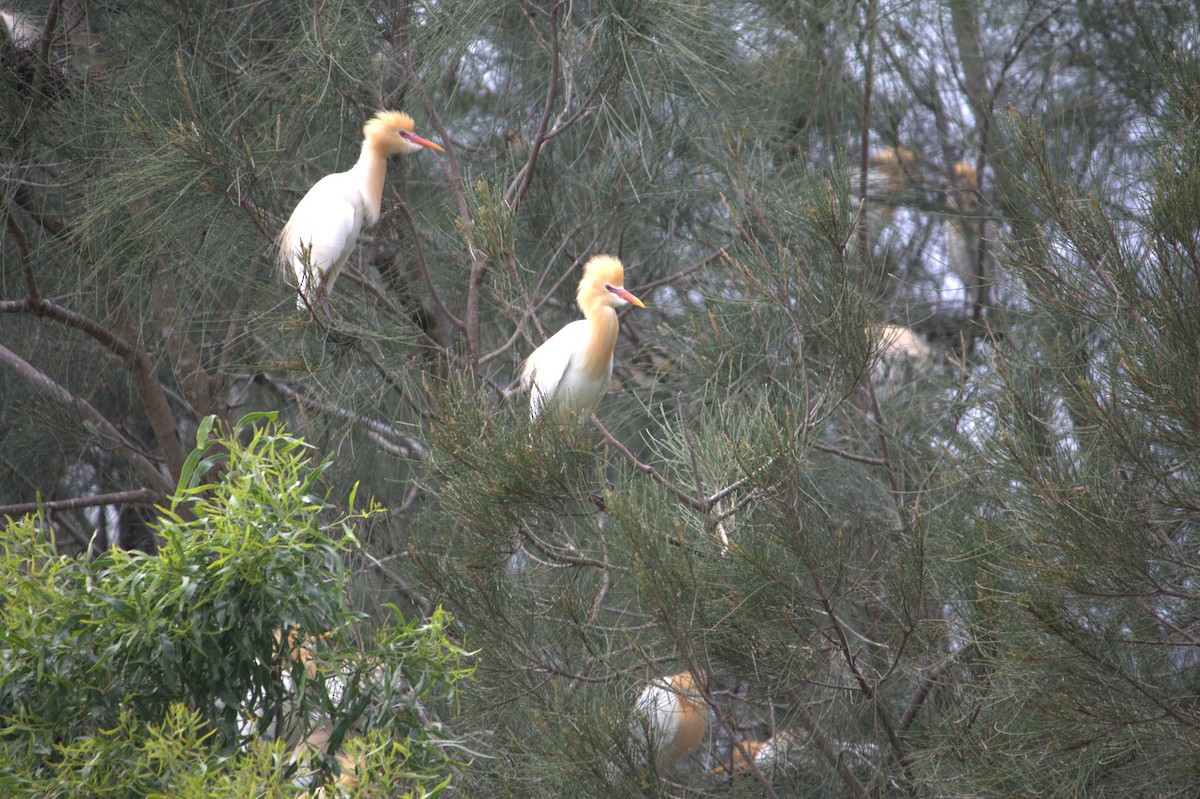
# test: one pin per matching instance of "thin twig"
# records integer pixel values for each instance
(850, 456)
(400, 583)
(829, 752)
(136, 360)
(50, 309)
(470, 324)
(645, 468)
(520, 185)
(865, 137)
(22, 245)
(425, 275)
(407, 447)
(921, 693)
(41, 68)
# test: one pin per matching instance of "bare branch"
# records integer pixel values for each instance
(41, 68)
(850, 456)
(520, 184)
(103, 428)
(22, 244)
(150, 390)
(138, 496)
(470, 325)
(829, 751)
(865, 136)
(200, 388)
(921, 692)
(424, 268)
(388, 437)
(401, 584)
(50, 309)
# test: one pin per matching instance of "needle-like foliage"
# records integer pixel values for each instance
(898, 462)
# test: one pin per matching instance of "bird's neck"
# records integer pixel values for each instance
(602, 337)
(372, 163)
(967, 216)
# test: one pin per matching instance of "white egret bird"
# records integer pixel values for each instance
(902, 353)
(792, 749)
(964, 229)
(889, 173)
(323, 229)
(766, 755)
(572, 368)
(672, 719)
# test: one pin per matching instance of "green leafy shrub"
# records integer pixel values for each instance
(195, 672)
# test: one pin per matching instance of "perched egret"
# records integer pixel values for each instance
(302, 651)
(889, 173)
(766, 755)
(573, 368)
(22, 29)
(963, 228)
(902, 351)
(322, 231)
(315, 747)
(673, 719)
(791, 749)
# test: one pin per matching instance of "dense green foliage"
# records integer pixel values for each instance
(129, 674)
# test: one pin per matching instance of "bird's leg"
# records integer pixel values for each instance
(321, 298)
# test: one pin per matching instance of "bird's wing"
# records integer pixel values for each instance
(543, 370)
(327, 219)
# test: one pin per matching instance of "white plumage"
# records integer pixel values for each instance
(572, 368)
(791, 749)
(22, 29)
(889, 173)
(964, 229)
(901, 351)
(672, 719)
(323, 229)
(766, 755)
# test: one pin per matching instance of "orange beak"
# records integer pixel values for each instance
(625, 295)
(415, 139)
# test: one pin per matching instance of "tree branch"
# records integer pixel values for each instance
(645, 468)
(52, 310)
(138, 496)
(199, 387)
(150, 390)
(868, 686)
(424, 269)
(470, 325)
(389, 438)
(520, 184)
(922, 691)
(864, 239)
(41, 67)
(829, 751)
(850, 456)
(22, 244)
(104, 428)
